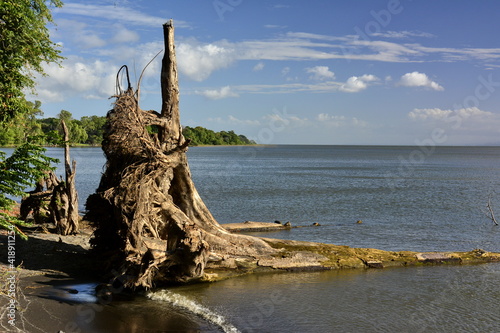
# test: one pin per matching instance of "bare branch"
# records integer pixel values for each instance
(490, 213)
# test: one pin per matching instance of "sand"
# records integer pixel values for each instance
(46, 265)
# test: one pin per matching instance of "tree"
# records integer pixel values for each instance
(202, 136)
(22, 169)
(17, 130)
(77, 133)
(150, 221)
(94, 127)
(24, 46)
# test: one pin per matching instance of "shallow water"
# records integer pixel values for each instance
(417, 299)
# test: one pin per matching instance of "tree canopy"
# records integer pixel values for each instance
(203, 136)
(24, 46)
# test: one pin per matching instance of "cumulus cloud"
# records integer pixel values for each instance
(198, 61)
(357, 83)
(424, 114)
(416, 79)
(223, 92)
(440, 114)
(91, 80)
(320, 73)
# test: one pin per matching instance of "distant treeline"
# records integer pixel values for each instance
(89, 131)
(202, 136)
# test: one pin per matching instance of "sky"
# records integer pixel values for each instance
(391, 72)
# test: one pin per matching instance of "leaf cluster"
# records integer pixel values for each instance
(24, 46)
(22, 169)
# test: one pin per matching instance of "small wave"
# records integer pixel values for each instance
(190, 305)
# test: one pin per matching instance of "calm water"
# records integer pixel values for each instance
(407, 198)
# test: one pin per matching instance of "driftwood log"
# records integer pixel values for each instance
(150, 220)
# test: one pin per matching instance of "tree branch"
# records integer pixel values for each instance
(491, 213)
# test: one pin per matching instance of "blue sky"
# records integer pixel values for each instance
(294, 72)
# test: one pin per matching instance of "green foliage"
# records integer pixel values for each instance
(24, 46)
(21, 170)
(202, 136)
(94, 126)
(17, 129)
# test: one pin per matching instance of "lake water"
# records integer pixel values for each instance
(409, 198)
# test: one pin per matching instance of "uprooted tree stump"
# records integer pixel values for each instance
(150, 220)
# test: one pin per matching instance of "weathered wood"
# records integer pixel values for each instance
(146, 197)
(67, 222)
(171, 135)
(54, 200)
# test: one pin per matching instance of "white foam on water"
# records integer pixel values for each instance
(196, 308)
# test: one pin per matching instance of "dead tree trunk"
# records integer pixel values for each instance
(150, 220)
(55, 200)
(65, 199)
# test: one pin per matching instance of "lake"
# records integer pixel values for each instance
(408, 198)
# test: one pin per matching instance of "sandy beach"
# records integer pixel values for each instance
(46, 268)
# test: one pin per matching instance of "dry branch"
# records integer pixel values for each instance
(490, 213)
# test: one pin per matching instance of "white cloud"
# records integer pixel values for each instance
(198, 61)
(325, 117)
(358, 123)
(274, 26)
(424, 114)
(116, 13)
(440, 114)
(223, 92)
(416, 79)
(80, 33)
(339, 121)
(472, 112)
(258, 67)
(280, 121)
(320, 73)
(91, 80)
(356, 84)
(402, 34)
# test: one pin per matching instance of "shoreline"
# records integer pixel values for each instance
(52, 264)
